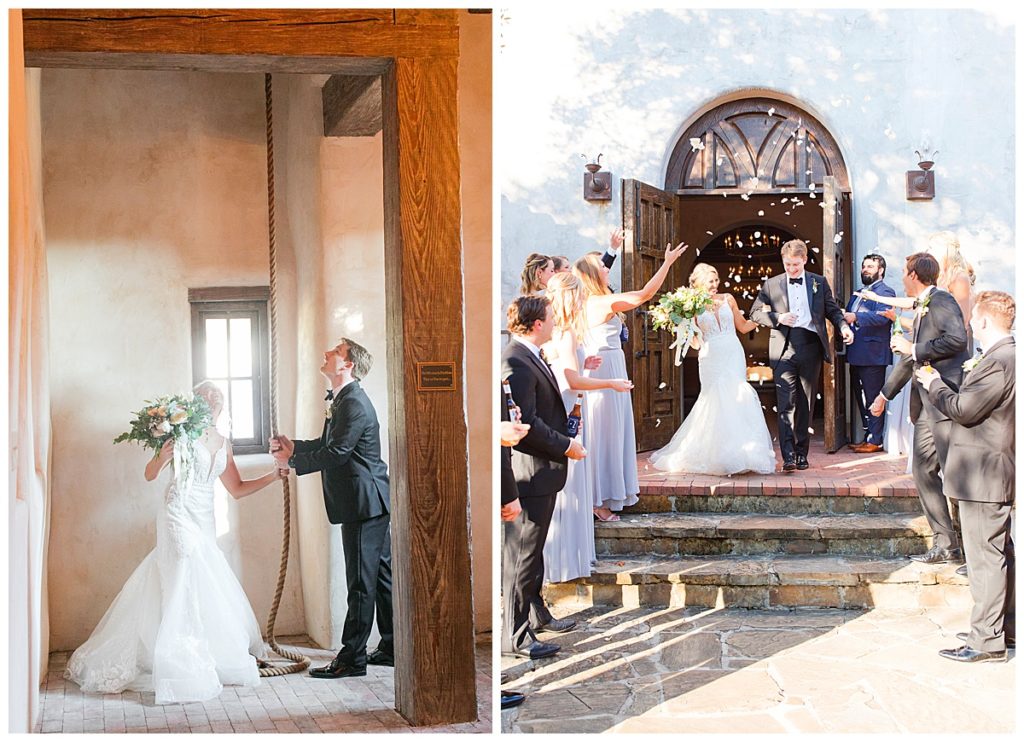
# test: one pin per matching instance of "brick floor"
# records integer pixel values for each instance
(289, 703)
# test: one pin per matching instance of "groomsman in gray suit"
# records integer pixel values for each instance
(979, 474)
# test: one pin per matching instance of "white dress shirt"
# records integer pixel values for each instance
(798, 302)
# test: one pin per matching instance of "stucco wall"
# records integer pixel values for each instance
(153, 183)
(624, 82)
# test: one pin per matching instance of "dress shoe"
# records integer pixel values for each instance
(935, 555)
(789, 465)
(801, 462)
(557, 625)
(379, 657)
(534, 651)
(511, 699)
(867, 448)
(338, 669)
(1011, 643)
(962, 570)
(966, 654)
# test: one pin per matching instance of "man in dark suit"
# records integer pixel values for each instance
(539, 470)
(868, 357)
(795, 305)
(940, 340)
(356, 495)
(979, 474)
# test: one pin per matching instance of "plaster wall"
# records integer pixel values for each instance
(625, 82)
(154, 182)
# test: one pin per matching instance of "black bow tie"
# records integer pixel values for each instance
(330, 395)
(797, 280)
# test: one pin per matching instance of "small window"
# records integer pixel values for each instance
(231, 347)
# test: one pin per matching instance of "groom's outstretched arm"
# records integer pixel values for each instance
(342, 437)
(761, 311)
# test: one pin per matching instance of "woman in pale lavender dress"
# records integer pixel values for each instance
(569, 549)
(612, 450)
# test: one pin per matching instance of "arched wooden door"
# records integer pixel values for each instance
(742, 149)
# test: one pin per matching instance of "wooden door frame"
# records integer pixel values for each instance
(416, 52)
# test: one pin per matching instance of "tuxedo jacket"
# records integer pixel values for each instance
(980, 466)
(773, 300)
(871, 331)
(538, 460)
(939, 339)
(347, 455)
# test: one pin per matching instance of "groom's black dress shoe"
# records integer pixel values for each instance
(935, 555)
(557, 625)
(789, 465)
(338, 669)
(1011, 642)
(966, 654)
(534, 651)
(962, 570)
(511, 699)
(378, 657)
(801, 462)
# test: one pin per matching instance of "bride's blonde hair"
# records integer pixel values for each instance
(701, 273)
(588, 269)
(568, 305)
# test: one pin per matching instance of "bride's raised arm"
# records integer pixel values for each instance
(159, 460)
(903, 302)
(238, 487)
(605, 305)
(743, 325)
(565, 348)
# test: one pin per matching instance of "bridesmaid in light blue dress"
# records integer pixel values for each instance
(569, 550)
(612, 451)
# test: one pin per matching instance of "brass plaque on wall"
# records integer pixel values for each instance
(435, 377)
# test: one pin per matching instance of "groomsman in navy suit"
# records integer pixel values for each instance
(868, 357)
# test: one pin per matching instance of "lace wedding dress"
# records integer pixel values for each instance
(181, 625)
(725, 432)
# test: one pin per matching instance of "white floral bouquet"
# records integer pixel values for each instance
(676, 311)
(181, 417)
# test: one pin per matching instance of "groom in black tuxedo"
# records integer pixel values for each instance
(940, 341)
(795, 305)
(356, 495)
(539, 470)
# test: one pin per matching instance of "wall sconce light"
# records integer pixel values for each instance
(921, 183)
(597, 186)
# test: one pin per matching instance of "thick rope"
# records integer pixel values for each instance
(299, 662)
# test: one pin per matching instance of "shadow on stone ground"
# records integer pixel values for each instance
(735, 670)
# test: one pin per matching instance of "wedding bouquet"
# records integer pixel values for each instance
(181, 417)
(676, 312)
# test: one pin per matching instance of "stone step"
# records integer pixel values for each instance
(668, 534)
(780, 500)
(765, 582)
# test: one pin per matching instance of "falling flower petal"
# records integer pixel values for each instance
(745, 197)
(785, 200)
(696, 144)
(711, 233)
(771, 111)
(662, 385)
(811, 431)
(812, 195)
(838, 238)
(657, 422)
(757, 234)
(761, 212)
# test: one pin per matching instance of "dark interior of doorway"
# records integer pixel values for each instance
(744, 257)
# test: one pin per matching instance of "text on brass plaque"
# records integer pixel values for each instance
(435, 377)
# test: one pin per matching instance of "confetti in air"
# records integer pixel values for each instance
(771, 111)
(711, 233)
(761, 212)
(811, 431)
(696, 144)
(745, 197)
(662, 385)
(657, 422)
(838, 238)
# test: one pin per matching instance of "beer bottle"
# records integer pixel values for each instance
(573, 423)
(897, 326)
(513, 412)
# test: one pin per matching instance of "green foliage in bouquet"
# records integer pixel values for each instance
(182, 417)
(674, 307)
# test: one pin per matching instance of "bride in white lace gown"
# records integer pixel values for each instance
(181, 626)
(725, 432)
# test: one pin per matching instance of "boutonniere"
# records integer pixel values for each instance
(922, 306)
(814, 286)
(969, 364)
(329, 412)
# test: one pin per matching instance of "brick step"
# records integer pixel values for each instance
(886, 535)
(765, 582)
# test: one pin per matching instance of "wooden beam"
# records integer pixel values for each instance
(84, 38)
(435, 677)
(352, 106)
